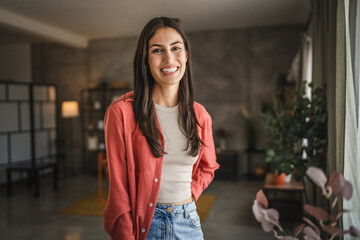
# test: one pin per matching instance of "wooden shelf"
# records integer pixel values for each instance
(91, 116)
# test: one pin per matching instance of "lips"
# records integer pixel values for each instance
(169, 69)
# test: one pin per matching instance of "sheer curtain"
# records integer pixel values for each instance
(352, 137)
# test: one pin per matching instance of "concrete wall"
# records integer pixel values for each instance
(230, 67)
(68, 68)
(15, 62)
(234, 67)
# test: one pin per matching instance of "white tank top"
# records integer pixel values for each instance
(176, 174)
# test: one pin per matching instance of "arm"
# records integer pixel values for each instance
(204, 173)
(117, 214)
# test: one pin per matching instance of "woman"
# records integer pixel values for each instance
(159, 143)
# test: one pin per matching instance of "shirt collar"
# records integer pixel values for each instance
(129, 96)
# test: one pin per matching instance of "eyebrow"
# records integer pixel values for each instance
(159, 45)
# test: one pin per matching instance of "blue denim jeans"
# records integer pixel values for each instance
(175, 222)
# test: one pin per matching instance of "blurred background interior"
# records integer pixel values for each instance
(63, 62)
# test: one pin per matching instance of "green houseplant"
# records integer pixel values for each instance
(297, 132)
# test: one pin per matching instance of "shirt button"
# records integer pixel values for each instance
(143, 230)
(150, 204)
(156, 180)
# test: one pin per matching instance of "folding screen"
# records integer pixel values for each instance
(28, 123)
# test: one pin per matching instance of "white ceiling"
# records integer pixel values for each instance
(74, 22)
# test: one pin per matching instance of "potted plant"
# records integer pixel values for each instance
(278, 154)
(297, 133)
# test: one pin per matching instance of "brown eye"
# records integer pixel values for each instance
(157, 50)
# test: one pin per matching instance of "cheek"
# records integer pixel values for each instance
(153, 73)
(151, 62)
(183, 57)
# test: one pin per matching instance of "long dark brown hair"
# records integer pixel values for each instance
(143, 87)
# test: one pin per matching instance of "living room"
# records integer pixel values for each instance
(64, 63)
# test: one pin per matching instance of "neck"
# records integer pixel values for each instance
(165, 96)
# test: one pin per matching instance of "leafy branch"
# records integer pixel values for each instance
(297, 133)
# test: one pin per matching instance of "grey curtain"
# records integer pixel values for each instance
(336, 54)
(328, 33)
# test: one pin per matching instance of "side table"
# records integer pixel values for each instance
(286, 206)
(32, 175)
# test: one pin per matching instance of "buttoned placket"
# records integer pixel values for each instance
(156, 180)
(150, 204)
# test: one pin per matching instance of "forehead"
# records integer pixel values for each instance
(165, 36)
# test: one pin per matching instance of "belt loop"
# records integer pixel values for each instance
(185, 211)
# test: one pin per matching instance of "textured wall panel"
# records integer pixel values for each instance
(40, 93)
(25, 116)
(41, 143)
(3, 149)
(20, 147)
(52, 144)
(49, 113)
(18, 92)
(9, 120)
(2, 92)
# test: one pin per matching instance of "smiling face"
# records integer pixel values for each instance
(167, 57)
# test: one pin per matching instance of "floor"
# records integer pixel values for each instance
(25, 217)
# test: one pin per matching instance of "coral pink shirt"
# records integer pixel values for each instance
(135, 174)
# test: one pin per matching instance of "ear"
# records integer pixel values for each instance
(187, 55)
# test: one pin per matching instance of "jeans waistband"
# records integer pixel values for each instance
(176, 209)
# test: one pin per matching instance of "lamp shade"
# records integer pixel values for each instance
(69, 109)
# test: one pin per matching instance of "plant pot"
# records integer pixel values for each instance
(279, 179)
(288, 178)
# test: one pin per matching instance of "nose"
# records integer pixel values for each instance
(168, 56)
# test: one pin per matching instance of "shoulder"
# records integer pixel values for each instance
(122, 106)
(202, 115)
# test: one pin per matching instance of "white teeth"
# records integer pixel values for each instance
(169, 69)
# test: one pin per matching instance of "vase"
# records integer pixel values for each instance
(279, 179)
(288, 178)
